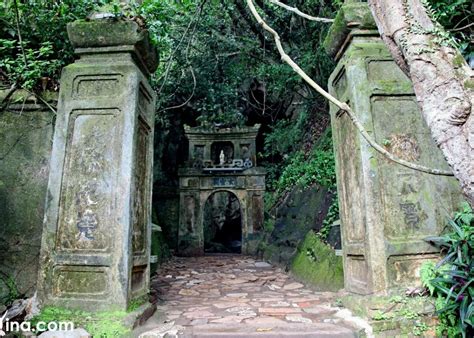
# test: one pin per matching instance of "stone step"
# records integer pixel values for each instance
(314, 330)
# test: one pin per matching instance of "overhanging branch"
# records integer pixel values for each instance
(342, 105)
(300, 13)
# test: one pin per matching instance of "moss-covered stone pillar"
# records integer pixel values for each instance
(386, 209)
(97, 226)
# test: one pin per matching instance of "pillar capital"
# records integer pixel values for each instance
(108, 36)
(352, 18)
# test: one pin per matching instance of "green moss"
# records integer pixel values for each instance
(336, 34)
(159, 248)
(350, 12)
(317, 264)
(458, 60)
(396, 315)
(136, 303)
(100, 324)
(469, 84)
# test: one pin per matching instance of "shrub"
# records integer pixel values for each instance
(452, 279)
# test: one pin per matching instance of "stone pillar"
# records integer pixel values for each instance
(97, 225)
(386, 209)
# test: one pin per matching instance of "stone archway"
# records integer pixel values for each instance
(222, 223)
(203, 176)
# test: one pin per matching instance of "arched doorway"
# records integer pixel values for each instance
(222, 223)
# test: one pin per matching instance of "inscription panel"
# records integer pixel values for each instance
(141, 191)
(350, 180)
(145, 103)
(79, 282)
(385, 70)
(138, 278)
(340, 84)
(357, 272)
(409, 197)
(86, 213)
(224, 181)
(189, 213)
(96, 85)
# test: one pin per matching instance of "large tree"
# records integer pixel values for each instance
(442, 80)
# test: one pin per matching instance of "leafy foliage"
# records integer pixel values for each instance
(44, 47)
(452, 279)
(219, 67)
(304, 170)
(456, 16)
(11, 286)
(331, 217)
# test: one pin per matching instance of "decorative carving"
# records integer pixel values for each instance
(198, 163)
(88, 181)
(248, 164)
(245, 151)
(404, 146)
(412, 218)
(221, 158)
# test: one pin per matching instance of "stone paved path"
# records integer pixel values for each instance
(237, 296)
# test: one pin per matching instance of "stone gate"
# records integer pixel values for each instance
(97, 226)
(386, 209)
(220, 160)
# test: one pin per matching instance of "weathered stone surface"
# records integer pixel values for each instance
(353, 13)
(298, 319)
(97, 228)
(186, 292)
(263, 265)
(278, 310)
(302, 212)
(293, 286)
(77, 333)
(276, 313)
(386, 209)
(109, 36)
(26, 130)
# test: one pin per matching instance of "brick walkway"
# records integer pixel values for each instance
(237, 296)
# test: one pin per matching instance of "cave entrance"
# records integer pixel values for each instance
(222, 223)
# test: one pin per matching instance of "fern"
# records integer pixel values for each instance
(427, 274)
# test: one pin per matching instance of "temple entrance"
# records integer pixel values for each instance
(222, 223)
(221, 192)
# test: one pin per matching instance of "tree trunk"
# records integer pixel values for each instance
(442, 80)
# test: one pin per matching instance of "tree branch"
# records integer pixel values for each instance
(342, 105)
(300, 13)
(189, 98)
(20, 39)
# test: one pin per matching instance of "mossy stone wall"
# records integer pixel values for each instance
(317, 264)
(26, 129)
(302, 211)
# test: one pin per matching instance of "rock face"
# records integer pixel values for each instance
(301, 212)
(97, 229)
(25, 145)
(386, 209)
(317, 264)
(293, 243)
